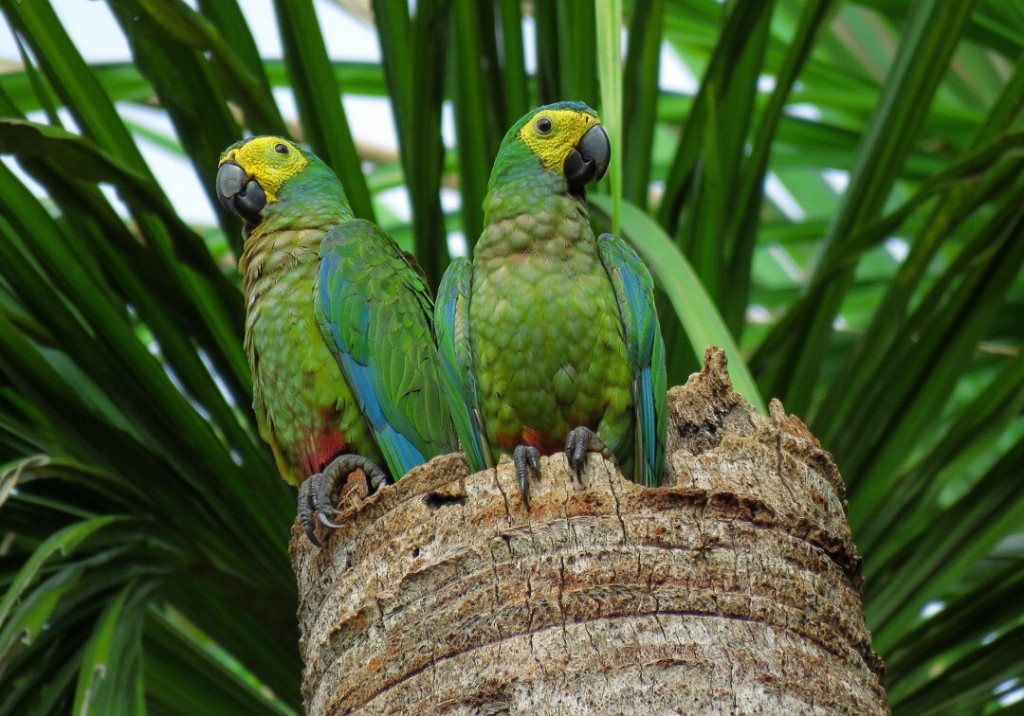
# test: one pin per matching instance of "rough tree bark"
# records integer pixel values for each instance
(734, 589)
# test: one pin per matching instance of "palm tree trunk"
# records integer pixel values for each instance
(733, 590)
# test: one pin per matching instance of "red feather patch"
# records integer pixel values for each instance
(546, 444)
(323, 448)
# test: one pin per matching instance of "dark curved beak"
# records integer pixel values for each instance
(588, 160)
(240, 194)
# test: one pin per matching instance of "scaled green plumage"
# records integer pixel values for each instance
(551, 328)
(337, 331)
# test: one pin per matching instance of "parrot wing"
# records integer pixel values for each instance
(374, 312)
(634, 292)
(451, 321)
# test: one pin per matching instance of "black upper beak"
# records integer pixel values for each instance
(240, 194)
(588, 161)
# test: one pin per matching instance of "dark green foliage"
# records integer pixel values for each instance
(142, 525)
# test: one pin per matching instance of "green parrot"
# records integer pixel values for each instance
(549, 338)
(338, 333)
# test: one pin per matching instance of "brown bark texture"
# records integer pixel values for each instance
(734, 589)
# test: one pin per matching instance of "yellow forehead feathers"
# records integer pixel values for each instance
(564, 128)
(270, 160)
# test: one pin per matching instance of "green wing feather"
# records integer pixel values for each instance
(451, 321)
(634, 292)
(374, 311)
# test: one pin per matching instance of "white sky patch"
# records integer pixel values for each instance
(93, 30)
(176, 175)
(8, 47)
(675, 75)
(24, 177)
(1012, 697)
(1009, 694)
(370, 120)
(346, 37)
(149, 117)
(259, 15)
(457, 245)
(451, 200)
(756, 313)
(448, 135)
(897, 248)
(529, 44)
(780, 196)
(656, 190)
(120, 208)
(219, 381)
(64, 117)
(286, 105)
(804, 111)
(837, 179)
(839, 324)
(988, 638)
(932, 608)
(765, 84)
(396, 200)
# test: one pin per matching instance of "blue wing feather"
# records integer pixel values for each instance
(634, 291)
(451, 321)
(360, 323)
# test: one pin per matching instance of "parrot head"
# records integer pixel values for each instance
(254, 172)
(567, 138)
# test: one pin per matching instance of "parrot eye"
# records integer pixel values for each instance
(543, 125)
(281, 149)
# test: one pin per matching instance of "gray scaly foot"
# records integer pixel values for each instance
(579, 443)
(316, 491)
(525, 457)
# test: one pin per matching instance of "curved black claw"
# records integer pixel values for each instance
(317, 491)
(321, 493)
(306, 509)
(579, 443)
(525, 457)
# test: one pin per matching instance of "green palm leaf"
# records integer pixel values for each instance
(830, 191)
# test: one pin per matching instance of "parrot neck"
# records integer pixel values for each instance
(521, 187)
(534, 216)
(292, 228)
(316, 202)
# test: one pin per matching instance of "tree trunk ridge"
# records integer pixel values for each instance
(735, 588)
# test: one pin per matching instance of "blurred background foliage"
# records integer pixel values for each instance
(838, 199)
